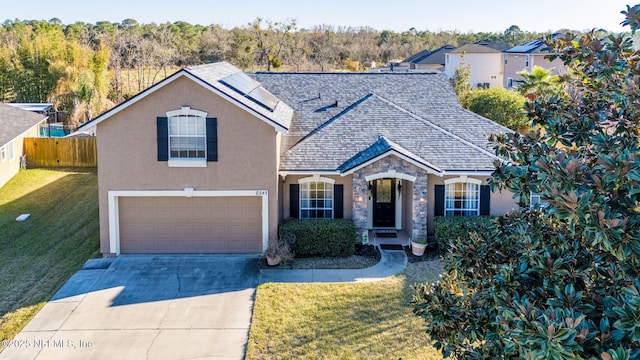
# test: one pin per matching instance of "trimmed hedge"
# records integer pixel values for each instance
(448, 228)
(321, 237)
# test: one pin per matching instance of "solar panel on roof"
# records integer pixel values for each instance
(264, 98)
(251, 89)
(240, 82)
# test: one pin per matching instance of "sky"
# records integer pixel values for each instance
(434, 15)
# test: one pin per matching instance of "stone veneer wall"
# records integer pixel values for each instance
(420, 200)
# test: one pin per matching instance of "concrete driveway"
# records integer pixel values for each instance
(146, 307)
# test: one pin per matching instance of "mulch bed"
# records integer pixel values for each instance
(430, 253)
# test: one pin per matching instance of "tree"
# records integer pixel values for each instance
(271, 41)
(513, 35)
(498, 104)
(538, 82)
(461, 80)
(562, 281)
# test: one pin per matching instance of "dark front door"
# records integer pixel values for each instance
(384, 203)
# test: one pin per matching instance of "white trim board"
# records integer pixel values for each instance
(114, 211)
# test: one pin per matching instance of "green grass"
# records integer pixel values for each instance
(341, 321)
(40, 254)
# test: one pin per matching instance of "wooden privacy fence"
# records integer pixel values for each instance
(68, 152)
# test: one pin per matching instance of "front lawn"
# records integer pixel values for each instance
(40, 254)
(341, 321)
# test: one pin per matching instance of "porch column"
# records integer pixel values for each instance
(420, 207)
(360, 197)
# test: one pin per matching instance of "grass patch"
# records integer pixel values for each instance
(341, 321)
(40, 254)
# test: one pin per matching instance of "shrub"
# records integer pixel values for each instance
(450, 228)
(321, 237)
(562, 282)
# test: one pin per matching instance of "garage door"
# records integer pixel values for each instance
(190, 224)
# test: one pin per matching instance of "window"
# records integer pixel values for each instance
(462, 198)
(316, 199)
(12, 155)
(505, 60)
(187, 137)
(526, 61)
(509, 83)
(535, 201)
(447, 58)
(3, 154)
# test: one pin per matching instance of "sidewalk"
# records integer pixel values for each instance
(392, 262)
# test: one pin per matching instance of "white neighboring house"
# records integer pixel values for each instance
(525, 57)
(484, 60)
(15, 125)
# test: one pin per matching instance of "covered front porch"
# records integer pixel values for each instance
(390, 201)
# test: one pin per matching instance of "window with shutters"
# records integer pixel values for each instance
(316, 198)
(462, 197)
(187, 138)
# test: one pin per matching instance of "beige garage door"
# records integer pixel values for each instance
(190, 225)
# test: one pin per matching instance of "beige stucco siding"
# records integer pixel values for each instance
(517, 62)
(347, 181)
(501, 202)
(10, 167)
(127, 150)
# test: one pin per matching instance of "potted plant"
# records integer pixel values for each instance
(418, 246)
(277, 251)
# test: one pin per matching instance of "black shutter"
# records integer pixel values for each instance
(338, 204)
(485, 199)
(438, 206)
(212, 139)
(294, 201)
(162, 127)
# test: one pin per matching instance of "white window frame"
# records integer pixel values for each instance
(526, 61)
(3, 154)
(470, 201)
(181, 115)
(306, 195)
(11, 151)
(536, 202)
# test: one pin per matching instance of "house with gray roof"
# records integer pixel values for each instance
(484, 61)
(212, 159)
(16, 124)
(524, 57)
(429, 59)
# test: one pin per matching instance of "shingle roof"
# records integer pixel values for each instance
(319, 97)
(209, 76)
(436, 56)
(534, 46)
(475, 48)
(417, 112)
(215, 74)
(15, 121)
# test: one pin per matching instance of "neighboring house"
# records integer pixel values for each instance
(429, 59)
(484, 60)
(15, 125)
(211, 160)
(525, 56)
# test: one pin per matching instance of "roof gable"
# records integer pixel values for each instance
(354, 137)
(209, 76)
(15, 121)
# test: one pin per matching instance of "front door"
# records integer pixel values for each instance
(384, 203)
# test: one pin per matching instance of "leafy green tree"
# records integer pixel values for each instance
(538, 82)
(498, 104)
(461, 80)
(560, 282)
